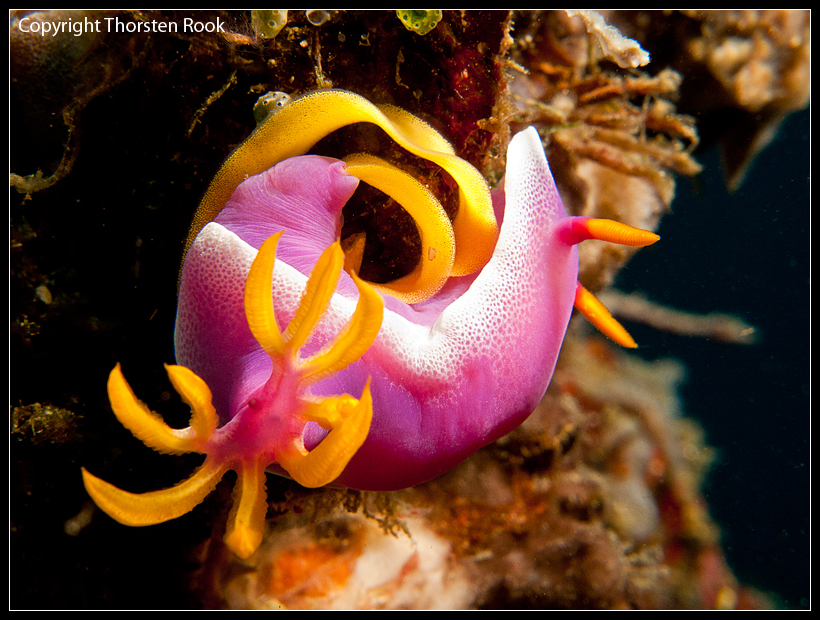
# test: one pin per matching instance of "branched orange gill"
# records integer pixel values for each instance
(270, 429)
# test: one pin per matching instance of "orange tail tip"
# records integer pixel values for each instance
(597, 314)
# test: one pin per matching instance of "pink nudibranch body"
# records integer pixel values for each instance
(448, 375)
(370, 390)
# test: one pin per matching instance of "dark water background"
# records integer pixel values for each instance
(746, 254)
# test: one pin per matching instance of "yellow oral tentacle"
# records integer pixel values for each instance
(327, 461)
(354, 340)
(319, 289)
(138, 509)
(437, 240)
(475, 227)
(295, 128)
(246, 523)
(259, 299)
(416, 130)
(146, 425)
(196, 393)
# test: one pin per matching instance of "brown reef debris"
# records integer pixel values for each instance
(53, 79)
(746, 70)
(714, 325)
(613, 137)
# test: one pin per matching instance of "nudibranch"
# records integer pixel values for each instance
(369, 389)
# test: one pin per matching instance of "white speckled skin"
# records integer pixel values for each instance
(444, 382)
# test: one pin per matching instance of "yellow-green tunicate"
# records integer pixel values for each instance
(317, 17)
(267, 103)
(420, 22)
(267, 23)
